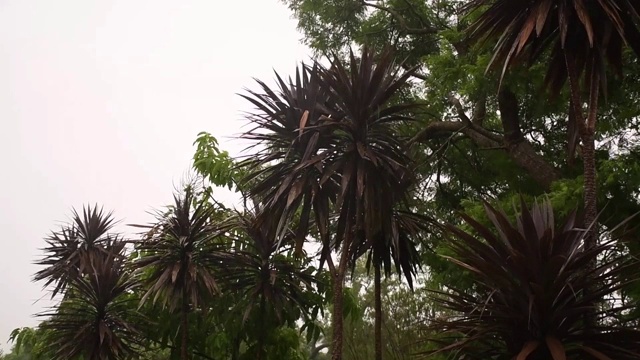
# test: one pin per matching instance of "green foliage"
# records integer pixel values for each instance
(29, 344)
(212, 163)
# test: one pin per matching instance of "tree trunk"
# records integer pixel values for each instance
(184, 327)
(587, 135)
(235, 351)
(590, 208)
(590, 189)
(337, 318)
(378, 313)
(261, 353)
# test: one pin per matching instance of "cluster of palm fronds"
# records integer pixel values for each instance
(534, 290)
(85, 262)
(190, 255)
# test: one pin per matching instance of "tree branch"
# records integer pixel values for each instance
(316, 351)
(471, 123)
(415, 74)
(522, 153)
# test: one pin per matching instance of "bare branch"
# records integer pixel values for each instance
(415, 74)
(522, 153)
(459, 109)
(472, 124)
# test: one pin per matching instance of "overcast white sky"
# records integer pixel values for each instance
(100, 102)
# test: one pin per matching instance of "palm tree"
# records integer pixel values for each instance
(530, 295)
(72, 251)
(179, 256)
(401, 249)
(330, 147)
(581, 39)
(276, 289)
(97, 319)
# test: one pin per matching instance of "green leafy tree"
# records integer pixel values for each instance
(212, 163)
(29, 344)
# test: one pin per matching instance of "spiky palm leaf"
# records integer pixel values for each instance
(337, 145)
(97, 320)
(71, 252)
(530, 297)
(371, 159)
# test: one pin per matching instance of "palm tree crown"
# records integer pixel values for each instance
(72, 251)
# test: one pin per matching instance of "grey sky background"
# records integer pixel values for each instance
(100, 102)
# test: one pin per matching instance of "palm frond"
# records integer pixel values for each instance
(593, 31)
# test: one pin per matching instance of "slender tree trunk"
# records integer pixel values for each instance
(590, 189)
(587, 128)
(235, 350)
(378, 313)
(337, 318)
(261, 353)
(590, 213)
(184, 327)
(590, 186)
